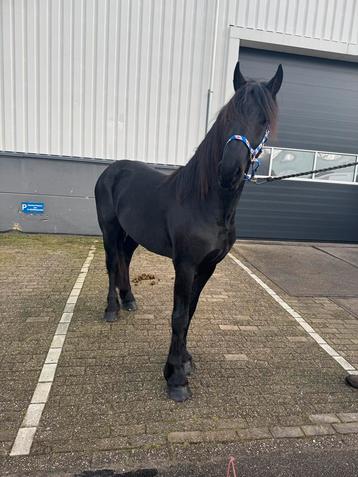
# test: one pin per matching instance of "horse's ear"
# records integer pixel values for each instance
(239, 80)
(274, 84)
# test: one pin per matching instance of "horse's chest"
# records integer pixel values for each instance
(223, 245)
(225, 238)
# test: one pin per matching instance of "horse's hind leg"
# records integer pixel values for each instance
(112, 234)
(125, 253)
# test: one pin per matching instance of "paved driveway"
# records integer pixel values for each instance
(78, 394)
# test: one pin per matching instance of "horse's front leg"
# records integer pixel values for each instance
(199, 282)
(174, 372)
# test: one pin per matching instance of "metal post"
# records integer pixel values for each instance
(213, 58)
(210, 92)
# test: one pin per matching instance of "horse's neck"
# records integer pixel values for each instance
(203, 168)
(225, 203)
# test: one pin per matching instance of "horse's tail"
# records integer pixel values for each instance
(104, 200)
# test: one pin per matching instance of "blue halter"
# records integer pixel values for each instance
(255, 163)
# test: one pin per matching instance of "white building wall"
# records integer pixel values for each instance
(129, 78)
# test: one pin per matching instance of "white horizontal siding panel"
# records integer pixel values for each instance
(123, 50)
(318, 23)
(184, 104)
(19, 75)
(143, 123)
(55, 97)
(262, 12)
(67, 78)
(194, 86)
(301, 17)
(281, 25)
(78, 54)
(203, 60)
(353, 36)
(347, 20)
(320, 19)
(311, 12)
(330, 19)
(89, 111)
(218, 97)
(164, 98)
(2, 81)
(178, 61)
(251, 20)
(9, 84)
(154, 84)
(129, 78)
(43, 58)
(272, 15)
(111, 97)
(338, 19)
(101, 73)
(291, 16)
(241, 13)
(132, 79)
(33, 99)
(172, 100)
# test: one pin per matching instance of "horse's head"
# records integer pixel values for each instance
(249, 116)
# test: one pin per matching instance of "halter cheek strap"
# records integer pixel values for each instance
(255, 163)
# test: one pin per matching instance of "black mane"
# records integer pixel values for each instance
(195, 179)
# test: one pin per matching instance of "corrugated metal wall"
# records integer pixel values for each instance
(331, 20)
(129, 78)
(104, 78)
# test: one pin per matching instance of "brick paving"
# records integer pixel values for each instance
(258, 375)
(36, 275)
(334, 323)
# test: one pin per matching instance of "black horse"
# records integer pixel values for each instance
(188, 216)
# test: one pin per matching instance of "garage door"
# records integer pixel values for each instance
(318, 101)
(318, 111)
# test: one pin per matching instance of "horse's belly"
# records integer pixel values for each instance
(144, 231)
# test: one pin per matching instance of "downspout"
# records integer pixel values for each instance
(213, 59)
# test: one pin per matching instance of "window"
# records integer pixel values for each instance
(282, 162)
(264, 169)
(331, 160)
(289, 161)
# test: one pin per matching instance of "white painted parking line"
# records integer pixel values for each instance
(41, 393)
(26, 433)
(47, 373)
(308, 328)
(58, 341)
(23, 441)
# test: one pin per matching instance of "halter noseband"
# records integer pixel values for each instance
(255, 163)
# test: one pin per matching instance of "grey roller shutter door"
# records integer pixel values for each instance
(318, 111)
(318, 101)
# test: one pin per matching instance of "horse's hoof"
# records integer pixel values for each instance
(179, 393)
(129, 305)
(352, 380)
(189, 367)
(110, 316)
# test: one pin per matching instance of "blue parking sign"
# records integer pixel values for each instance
(32, 207)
